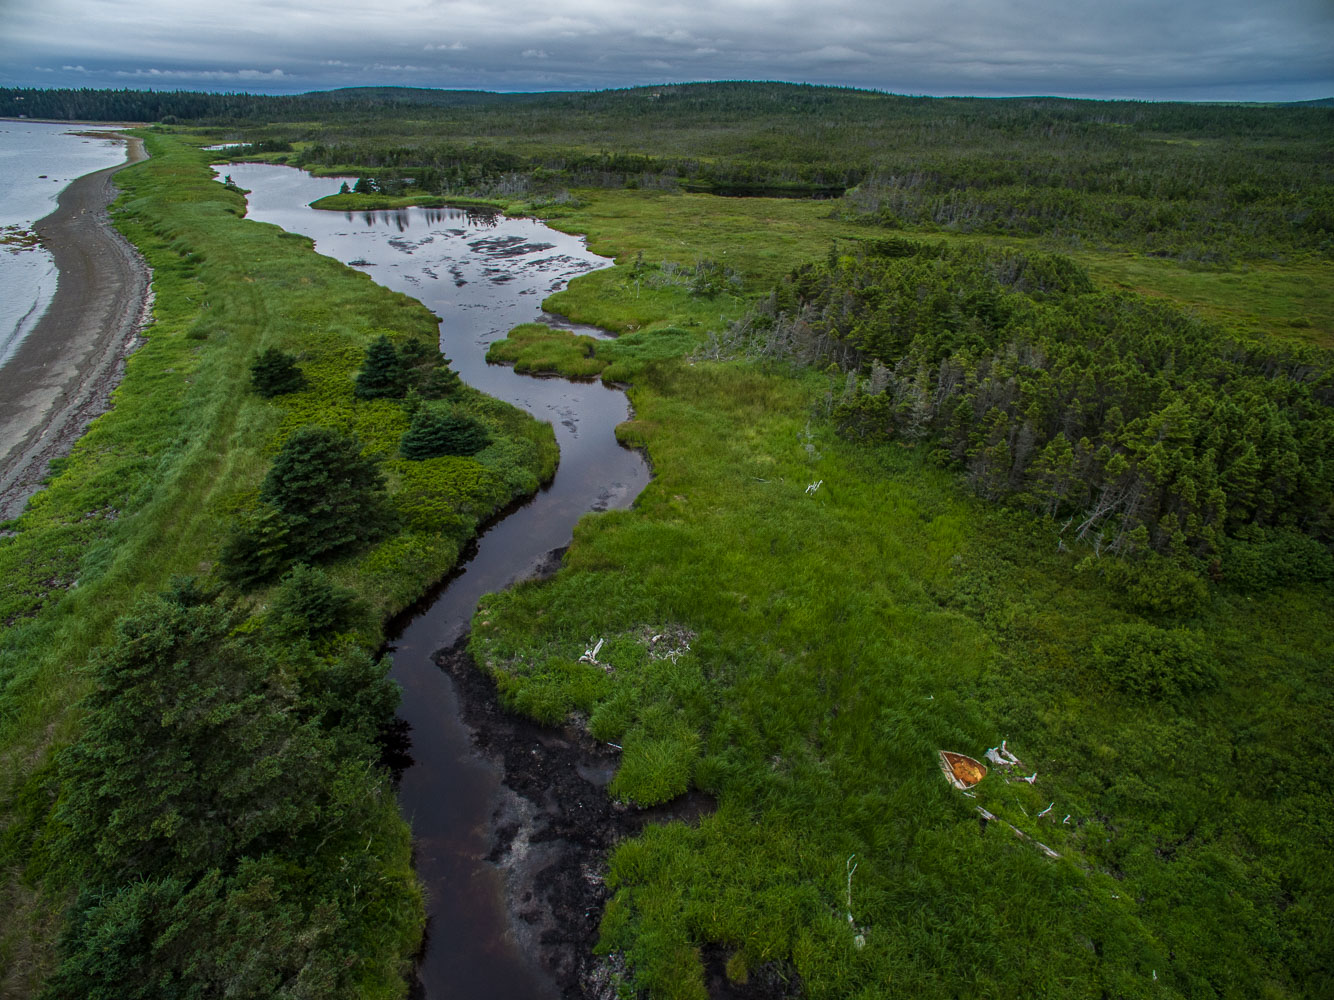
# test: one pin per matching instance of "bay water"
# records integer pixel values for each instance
(37, 162)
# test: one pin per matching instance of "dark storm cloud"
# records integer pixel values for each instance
(1225, 50)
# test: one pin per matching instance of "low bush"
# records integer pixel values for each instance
(436, 431)
(307, 603)
(275, 373)
(1152, 662)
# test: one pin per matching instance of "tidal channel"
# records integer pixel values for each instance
(482, 274)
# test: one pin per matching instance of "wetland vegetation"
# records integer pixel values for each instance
(1026, 438)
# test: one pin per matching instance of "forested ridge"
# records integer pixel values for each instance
(1196, 182)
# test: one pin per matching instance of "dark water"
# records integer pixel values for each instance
(482, 274)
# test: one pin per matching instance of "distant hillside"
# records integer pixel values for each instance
(725, 98)
(418, 96)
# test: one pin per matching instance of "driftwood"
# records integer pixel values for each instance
(993, 818)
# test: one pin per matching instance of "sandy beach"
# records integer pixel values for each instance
(62, 375)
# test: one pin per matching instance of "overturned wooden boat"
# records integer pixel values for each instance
(960, 771)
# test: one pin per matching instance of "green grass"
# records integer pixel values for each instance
(535, 347)
(1291, 301)
(837, 639)
(353, 202)
(763, 238)
(151, 488)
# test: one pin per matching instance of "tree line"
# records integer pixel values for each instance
(1140, 428)
(1207, 183)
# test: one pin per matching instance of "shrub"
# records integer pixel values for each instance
(308, 603)
(1259, 560)
(274, 373)
(1148, 661)
(436, 431)
(1156, 586)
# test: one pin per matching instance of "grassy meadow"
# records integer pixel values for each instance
(802, 654)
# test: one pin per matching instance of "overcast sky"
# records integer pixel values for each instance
(1259, 50)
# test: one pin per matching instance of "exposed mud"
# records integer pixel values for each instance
(553, 827)
(552, 830)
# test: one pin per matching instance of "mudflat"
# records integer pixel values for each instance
(62, 375)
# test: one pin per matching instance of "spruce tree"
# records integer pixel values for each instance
(329, 495)
(319, 499)
(437, 431)
(440, 381)
(383, 375)
(308, 603)
(163, 778)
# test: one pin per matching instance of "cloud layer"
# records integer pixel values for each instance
(1188, 49)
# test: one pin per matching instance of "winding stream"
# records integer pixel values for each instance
(482, 274)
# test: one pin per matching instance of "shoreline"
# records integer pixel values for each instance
(552, 828)
(61, 375)
(67, 121)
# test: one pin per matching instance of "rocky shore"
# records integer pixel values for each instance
(62, 375)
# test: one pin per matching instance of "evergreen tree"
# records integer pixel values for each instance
(164, 776)
(331, 497)
(440, 381)
(275, 373)
(257, 549)
(308, 603)
(429, 370)
(319, 499)
(383, 375)
(436, 431)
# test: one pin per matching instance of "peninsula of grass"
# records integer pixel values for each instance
(353, 202)
(147, 497)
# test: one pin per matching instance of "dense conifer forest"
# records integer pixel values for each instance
(1206, 182)
(1144, 427)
